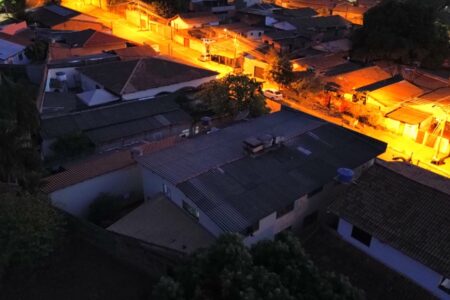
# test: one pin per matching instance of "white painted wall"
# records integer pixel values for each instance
(73, 77)
(76, 199)
(17, 59)
(417, 272)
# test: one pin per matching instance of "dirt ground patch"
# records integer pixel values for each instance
(79, 271)
(379, 282)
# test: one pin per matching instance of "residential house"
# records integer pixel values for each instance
(62, 18)
(258, 177)
(12, 49)
(143, 78)
(319, 63)
(324, 28)
(106, 78)
(194, 20)
(401, 223)
(285, 42)
(257, 14)
(80, 43)
(120, 125)
(352, 13)
(350, 81)
(76, 187)
(240, 29)
(391, 93)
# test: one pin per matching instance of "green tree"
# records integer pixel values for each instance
(307, 85)
(37, 51)
(19, 159)
(405, 31)
(270, 270)
(234, 94)
(29, 229)
(281, 70)
(16, 8)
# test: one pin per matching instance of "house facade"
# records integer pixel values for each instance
(256, 194)
(399, 222)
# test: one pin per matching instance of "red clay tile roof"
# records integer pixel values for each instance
(100, 165)
(15, 39)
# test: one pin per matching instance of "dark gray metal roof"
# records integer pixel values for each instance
(199, 155)
(116, 121)
(238, 194)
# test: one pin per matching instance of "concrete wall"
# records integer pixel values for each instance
(396, 260)
(76, 199)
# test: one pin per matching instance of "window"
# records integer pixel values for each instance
(445, 285)
(285, 210)
(310, 219)
(259, 33)
(362, 236)
(191, 210)
(315, 192)
(20, 56)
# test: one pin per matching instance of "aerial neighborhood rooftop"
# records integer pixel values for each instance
(218, 138)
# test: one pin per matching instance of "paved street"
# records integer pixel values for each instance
(398, 146)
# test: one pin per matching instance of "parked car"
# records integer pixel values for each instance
(273, 95)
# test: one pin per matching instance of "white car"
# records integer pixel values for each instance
(273, 95)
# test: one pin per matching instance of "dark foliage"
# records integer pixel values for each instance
(270, 270)
(405, 31)
(234, 94)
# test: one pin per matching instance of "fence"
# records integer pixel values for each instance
(150, 258)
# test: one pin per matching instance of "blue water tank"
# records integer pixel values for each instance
(345, 175)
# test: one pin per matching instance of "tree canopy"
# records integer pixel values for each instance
(234, 94)
(280, 69)
(19, 124)
(270, 270)
(405, 31)
(29, 229)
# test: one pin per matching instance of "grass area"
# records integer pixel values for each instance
(78, 271)
(330, 253)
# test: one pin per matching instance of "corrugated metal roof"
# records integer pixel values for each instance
(244, 191)
(106, 123)
(199, 155)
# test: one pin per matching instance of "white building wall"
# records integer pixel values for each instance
(417, 272)
(167, 89)
(77, 198)
(72, 74)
